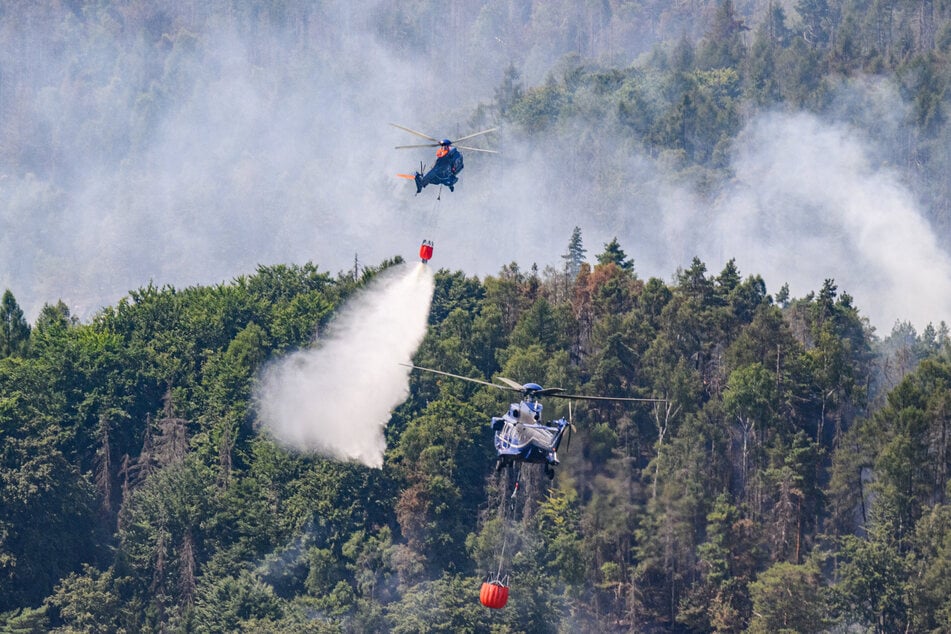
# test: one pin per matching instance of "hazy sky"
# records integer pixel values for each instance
(270, 153)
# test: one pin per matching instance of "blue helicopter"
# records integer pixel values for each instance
(521, 436)
(448, 159)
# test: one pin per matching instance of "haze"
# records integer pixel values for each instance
(275, 148)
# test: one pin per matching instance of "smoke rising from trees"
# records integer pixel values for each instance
(808, 204)
(181, 149)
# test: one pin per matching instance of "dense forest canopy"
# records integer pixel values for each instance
(794, 478)
(139, 493)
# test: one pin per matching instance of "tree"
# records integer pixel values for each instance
(911, 437)
(788, 598)
(538, 325)
(509, 92)
(558, 521)
(161, 524)
(47, 519)
(722, 45)
(539, 108)
(442, 459)
(575, 255)
(929, 589)
(88, 602)
(613, 254)
(818, 20)
(14, 331)
(443, 605)
(224, 604)
(873, 573)
(760, 82)
(795, 497)
(749, 398)
(50, 331)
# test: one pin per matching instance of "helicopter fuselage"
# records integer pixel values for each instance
(445, 171)
(521, 436)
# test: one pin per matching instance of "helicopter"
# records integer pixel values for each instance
(448, 159)
(521, 436)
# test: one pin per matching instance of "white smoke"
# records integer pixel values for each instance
(268, 149)
(808, 204)
(336, 398)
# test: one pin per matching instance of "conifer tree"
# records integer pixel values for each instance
(14, 331)
(574, 258)
(614, 253)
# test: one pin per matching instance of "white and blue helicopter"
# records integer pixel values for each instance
(521, 436)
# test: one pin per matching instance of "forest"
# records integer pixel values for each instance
(795, 477)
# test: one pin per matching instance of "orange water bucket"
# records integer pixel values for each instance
(494, 595)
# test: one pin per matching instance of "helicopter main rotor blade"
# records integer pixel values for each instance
(406, 147)
(477, 149)
(582, 397)
(554, 392)
(411, 131)
(469, 136)
(545, 391)
(459, 376)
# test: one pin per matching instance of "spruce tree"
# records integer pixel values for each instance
(574, 258)
(14, 331)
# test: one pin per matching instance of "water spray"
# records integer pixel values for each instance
(335, 398)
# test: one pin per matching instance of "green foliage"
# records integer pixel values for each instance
(788, 598)
(614, 254)
(538, 108)
(929, 603)
(872, 575)
(448, 604)
(225, 604)
(442, 457)
(558, 522)
(89, 602)
(25, 621)
(575, 254)
(14, 331)
(691, 511)
(47, 519)
(138, 495)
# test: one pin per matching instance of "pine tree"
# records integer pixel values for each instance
(509, 92)
(14, 331)
(575, 255)
(614, 253)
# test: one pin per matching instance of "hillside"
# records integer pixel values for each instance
(661, 162)
(139, 494)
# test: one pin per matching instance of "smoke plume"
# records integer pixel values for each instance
(809, 204)
(335, 399)
(182, 146)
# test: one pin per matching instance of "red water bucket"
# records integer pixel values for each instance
(494, 595)
(426, 251)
